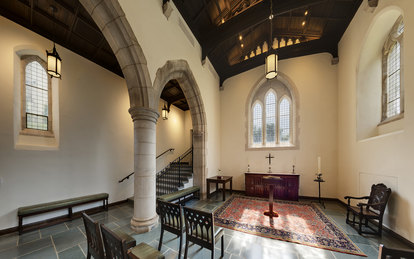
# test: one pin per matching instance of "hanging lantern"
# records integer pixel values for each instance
(271, 58)
(271, 66)
(164, 112)
(54, 63)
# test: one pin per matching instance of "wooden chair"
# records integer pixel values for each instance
(200, 229)
(116, 247)
(373, 209)
(94, 238)
(390, 253)
(171, 220)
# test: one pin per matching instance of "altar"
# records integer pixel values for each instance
(287, 188)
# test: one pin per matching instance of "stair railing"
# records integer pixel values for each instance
(170, 178)
(127, 177)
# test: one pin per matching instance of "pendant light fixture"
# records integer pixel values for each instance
(164, 112)
(271, 58)
(54, 62)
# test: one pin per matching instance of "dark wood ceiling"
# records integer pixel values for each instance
(301, 27)
(70, 26)
(173, 94)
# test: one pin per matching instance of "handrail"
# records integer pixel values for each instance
(127, 177)
(168, 150)
(171, 177)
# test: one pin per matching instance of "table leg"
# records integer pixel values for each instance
(224, 191)
(208, 189)
(231, 186)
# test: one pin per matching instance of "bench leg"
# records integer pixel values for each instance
(20, 225)
(70, 212)
(106, 206)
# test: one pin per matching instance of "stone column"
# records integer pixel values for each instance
(145, 217)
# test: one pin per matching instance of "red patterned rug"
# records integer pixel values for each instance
(301, 223)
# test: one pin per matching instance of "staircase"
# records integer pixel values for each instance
(177, 175)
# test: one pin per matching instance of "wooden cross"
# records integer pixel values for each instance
(270, 158)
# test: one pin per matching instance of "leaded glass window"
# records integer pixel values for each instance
(393, 81)
(392, 101)
(37, 96)
(270, 118)
(284, 121)
(257, 124)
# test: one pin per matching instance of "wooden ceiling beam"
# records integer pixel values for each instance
(251, 17)
(328, 45)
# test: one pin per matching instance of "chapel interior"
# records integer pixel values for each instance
(206, 129)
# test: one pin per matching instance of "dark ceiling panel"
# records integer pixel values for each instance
(70, 26)
(325, 20)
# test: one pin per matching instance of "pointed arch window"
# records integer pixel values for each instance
(257, 124)
(270, 102)
(271, 111)
(36, 97)
(284, 121)
(392, 89)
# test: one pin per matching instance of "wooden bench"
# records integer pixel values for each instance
(181, 195)
(58, 205)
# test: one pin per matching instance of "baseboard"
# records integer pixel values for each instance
(57, 220)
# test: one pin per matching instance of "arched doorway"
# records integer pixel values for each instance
(180, 71)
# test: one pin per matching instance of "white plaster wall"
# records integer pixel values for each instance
(386, 158)
(316, 83)
(96, 134)
(162, 40)
(172, 133)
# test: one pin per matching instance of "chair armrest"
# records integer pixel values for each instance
(357, 198)
(369, 204)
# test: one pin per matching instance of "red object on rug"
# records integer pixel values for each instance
(298, 222)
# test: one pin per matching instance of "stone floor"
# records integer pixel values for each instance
(67, 240)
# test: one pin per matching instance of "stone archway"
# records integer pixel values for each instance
(180, 71)
(111, 20)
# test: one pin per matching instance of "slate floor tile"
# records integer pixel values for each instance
(28, 237)
(8, 241)
(52, 230)
(44, 253)
(67, 239)
(26, 248)
(72, 253)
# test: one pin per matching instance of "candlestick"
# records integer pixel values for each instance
(319, 164)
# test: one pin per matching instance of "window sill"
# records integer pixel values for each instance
(391, 119)
(278, 147)
(37, 133)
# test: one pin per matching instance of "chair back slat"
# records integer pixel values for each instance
(94, 237)
(170, 215)
(114, 246)
(199, 225)
(379, 194)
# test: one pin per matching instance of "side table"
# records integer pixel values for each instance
(222, 180)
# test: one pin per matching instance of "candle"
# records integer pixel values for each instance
(319, 164)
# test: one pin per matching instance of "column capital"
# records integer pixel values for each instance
(143, 113)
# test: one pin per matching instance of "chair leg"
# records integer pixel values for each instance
(380, 228)
(353, 219)
(366, 222)
(222, 246)
(186, 249)
(88, 256)
(181, 244)
(360, 224)
(160, 243)
(347, 216)
(212, 253)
